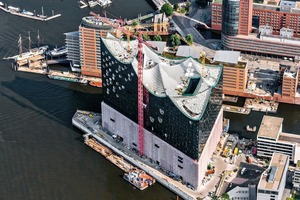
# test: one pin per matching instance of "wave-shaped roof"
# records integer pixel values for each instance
(186, 82)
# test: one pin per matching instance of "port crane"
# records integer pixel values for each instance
(120, 26)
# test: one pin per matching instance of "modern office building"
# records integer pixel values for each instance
(273, 180)
(270, 139)
(241, 27)
(73, 49)
(182, 107)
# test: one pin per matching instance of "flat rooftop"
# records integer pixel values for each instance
(272, 180)
(270, 127)
(287, 137)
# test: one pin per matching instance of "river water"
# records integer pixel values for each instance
(42, 156)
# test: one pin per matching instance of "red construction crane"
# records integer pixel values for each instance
(120, 27)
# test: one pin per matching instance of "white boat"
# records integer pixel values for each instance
(58, 52)
(13, 9)
(1, 4)
(82, 4)
(28, 13)
(75, 68)
(104, 3)
(93, 3)
(253, 129)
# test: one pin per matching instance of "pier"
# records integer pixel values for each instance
(35, 17)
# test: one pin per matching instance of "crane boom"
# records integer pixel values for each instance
(140, 75)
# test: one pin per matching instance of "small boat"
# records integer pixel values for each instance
(58, 51)
(95, 84)
(104, 3)
(75, 67)
(1, 4)
(25, 12)
(92, 3)
(253, 129)
(82, 4)
(13, 9)
(139, 178)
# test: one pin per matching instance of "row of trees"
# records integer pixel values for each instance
(174, 39)
(155, 37)
(169, 9)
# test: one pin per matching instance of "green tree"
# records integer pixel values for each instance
(189, 38)
(202, 3)
(135, 23)
(225, 196)
(146, 37)
(175, 40)
(176, 6)
(167, 8)
(188, 4)
(157, 38)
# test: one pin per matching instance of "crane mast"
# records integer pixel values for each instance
(140, 76)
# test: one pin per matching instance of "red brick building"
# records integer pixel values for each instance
(280, 15)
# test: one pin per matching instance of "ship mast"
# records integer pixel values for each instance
(29, 41)
(38, 38)
(20, 44)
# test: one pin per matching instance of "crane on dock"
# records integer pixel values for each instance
(120, 26)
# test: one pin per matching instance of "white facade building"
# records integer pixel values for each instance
(239, 193)
(270, 139)
(296, 177)
(273, 180)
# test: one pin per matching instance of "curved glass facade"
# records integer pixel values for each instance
(230, 18)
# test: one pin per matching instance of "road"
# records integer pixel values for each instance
(186, 25)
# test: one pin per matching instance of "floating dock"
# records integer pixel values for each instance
(40, 18)
(236, 109)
